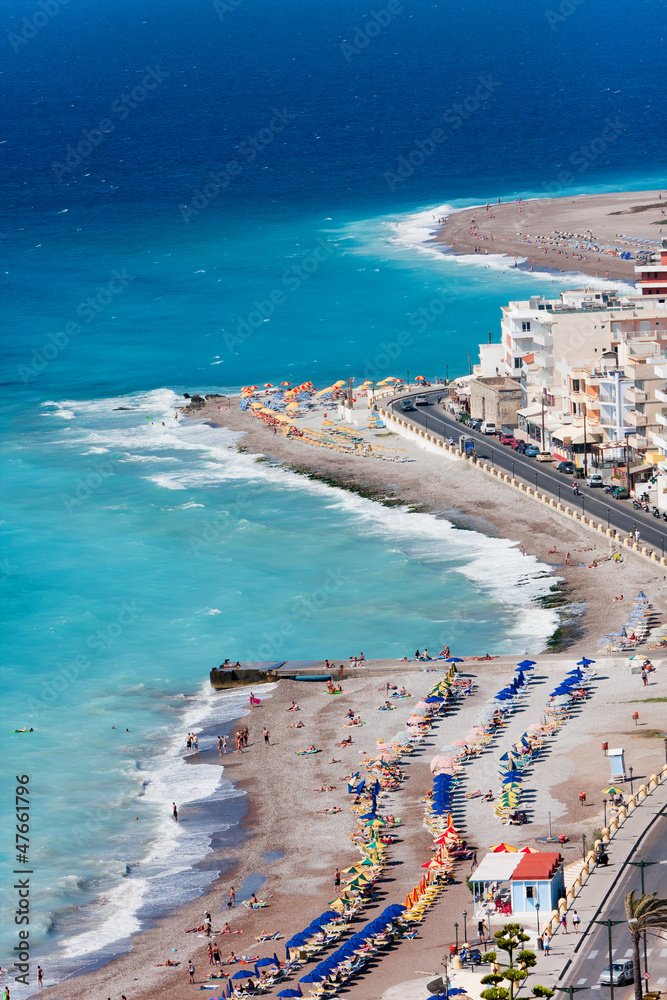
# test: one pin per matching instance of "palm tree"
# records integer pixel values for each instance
(645, 913)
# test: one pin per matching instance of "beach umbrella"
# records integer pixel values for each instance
(502, 849)
(453, 659)
(526, 664)
(285, 383)
(529, 850)
(420, 378)
(612, 790)
(243, 975)
(311, 977)
(584, 662)
(290, 993)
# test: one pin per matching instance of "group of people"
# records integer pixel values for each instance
(192, 743)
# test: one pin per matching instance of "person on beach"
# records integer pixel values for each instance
(207, 923)
(567, 558)
(267, 735)
(174, 811)
(337, 879)
(215, 951)
(576, 921)
(224, 744)
(219, 744)
(238, 743)
(188, 742)
(195, 744)
(210, 955)
(232, 960)
(191, 972)
(293, 708)
(546, 942)
(481, 931)
(232, 897)
(40, 977)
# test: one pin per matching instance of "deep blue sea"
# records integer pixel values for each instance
(166, 167)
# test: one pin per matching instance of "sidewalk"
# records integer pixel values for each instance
(592, 896)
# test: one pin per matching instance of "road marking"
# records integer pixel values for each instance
(662, 980)
(581, 982)
(663, 953)
(628, 953)
(596, 987)
(593, 954)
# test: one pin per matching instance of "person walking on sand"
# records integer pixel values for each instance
(40, 977)
(567, 558)
(337, 879)
(224, 744)
(210, 955)
(644, 676)
(219, 746)
(174, 811)
(267, 736)
(207, 923)
(575, 922)
(232, 897)
(191, 972)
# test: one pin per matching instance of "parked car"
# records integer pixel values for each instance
(519, 446)
(620, 493)
(421, 400)
(488, 427)
(475, 423)
(544, 456)
(594, 479)
(506, 439)
(567, 468)
(532, 451)
(618, 973)
(407, 405)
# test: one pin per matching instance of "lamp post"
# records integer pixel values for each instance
(609, 924)
(571, 990)
(631, 790)
(583, 844)
(642, 865)
(663, 736)
(465, 927)
(608, 524)
(537, 917)
(604, 803)
(456, 934)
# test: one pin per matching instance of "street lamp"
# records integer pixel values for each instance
(663, 736)
(631, 791)
(456, 933)
(465, 927)
(583, 844)
(642, 865)
(537, 915)
(609, 924)
(571, 990)
(608, 524)
(604, 803)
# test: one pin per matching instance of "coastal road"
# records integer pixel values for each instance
(594, 503)
(593, 954)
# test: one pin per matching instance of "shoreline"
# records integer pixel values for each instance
(524, 231)
(444, 487)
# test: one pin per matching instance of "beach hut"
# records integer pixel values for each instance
(520, 880)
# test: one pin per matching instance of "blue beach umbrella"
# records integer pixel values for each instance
(525, 665)
(312, 977)
(584, 662)
(453, 659)
(290, 993)
(243, 975)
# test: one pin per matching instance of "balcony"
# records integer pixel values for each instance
(636, 419)
(661, 417)
(544, 338)
(661, 394)
(635, 395)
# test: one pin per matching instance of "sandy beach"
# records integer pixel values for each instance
(563, 234)
(436, 482)
(290, 847)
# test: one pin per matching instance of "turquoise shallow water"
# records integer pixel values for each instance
(134, 559)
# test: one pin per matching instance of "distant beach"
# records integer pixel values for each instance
(586, 233)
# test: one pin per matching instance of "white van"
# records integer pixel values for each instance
(488, 427)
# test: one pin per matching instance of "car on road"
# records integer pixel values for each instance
(506, 439)
(618, 973)
(620, 493)
(519, 446)
(488, 427)
(422, 400)
(567, 468)
(594, 479)
(531, 451)
(544, 456)
(475, 423)
(407, 405)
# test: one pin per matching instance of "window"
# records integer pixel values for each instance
(517, 362)
(530, 892)
(575, 385)
(525, 327)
